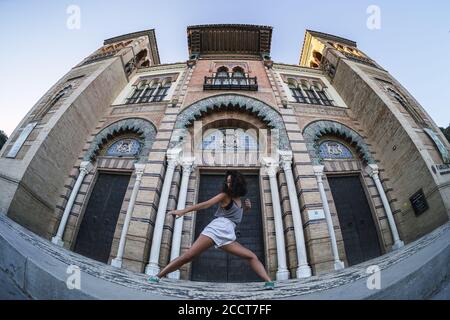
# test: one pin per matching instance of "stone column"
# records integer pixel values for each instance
(338, 264)
(303, 269)
(85, 168)
(373, 171)
(152, 267)
(117, 261)
(272, 168)
(187, 164)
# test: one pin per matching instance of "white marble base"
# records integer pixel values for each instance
(339, 265)
(304, 271)
(58, 241)
(151, 269)
(397, 245)
(282, 275)
(116, 263)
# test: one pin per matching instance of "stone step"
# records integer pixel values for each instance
(38, 270)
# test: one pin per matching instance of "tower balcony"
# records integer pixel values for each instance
(230, 83)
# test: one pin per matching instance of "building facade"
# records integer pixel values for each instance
(342, 163)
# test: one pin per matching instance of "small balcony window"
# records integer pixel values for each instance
(323, 97)
(149, 92)
(147, 95)
(298, 95)
(307, 93)
(312, 96)
(223, 79)
(161, 93)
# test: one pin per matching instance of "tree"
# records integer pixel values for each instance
(446, 132)
(3, 138)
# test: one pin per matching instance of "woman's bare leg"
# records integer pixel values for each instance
(201, 244)
(239, 250)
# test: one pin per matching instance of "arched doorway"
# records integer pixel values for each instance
(232, 124)
(344, 155)
(229, 141)
(113, 153)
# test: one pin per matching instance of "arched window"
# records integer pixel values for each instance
(317, 56)
(297, 93)
(320, 90)
(333, 150)
(398, 97)
(409, 108)
(310, 93)
(222, 76)
(137, 92)
(140, 57)
(229, 139)
(124, 148)
(162, 91)
(238, 72)
(148, 92)
(52, 102)
(238, 76)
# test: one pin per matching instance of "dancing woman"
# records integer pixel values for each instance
(220, 232)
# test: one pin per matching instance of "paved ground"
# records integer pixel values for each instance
(40, 269)
(444, 291)
(9, 290)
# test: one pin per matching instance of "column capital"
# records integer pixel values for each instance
(86, 167)
(318, 170)
(372, 170)
(173, 157)
(271, 165)
(286, 157)
(187, 163)
(139, 170)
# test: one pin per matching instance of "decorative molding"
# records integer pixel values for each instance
(163, 67)
(150, 33)
(262, 110)
(296, 68)
(317, 109)
(314, 131)
(144, 128)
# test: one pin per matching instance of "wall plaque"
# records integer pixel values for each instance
(419, 202)
(316, 214)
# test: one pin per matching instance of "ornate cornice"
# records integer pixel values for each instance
(150, 33)
(163, 67)
(295, 68)
(262, 110)
(144, 128)
(229, 38)
(314, 131)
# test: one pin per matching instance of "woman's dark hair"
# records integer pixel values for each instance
(238, 186)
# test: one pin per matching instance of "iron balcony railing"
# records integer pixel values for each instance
(230, 83)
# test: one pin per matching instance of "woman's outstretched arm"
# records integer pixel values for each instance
(200, 206)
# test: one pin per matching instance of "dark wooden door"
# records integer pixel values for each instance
(100, 218)
(355, 219)
(214, 265)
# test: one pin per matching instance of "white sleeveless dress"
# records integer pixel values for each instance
(222, 229)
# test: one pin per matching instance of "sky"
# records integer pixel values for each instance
(38, 47)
